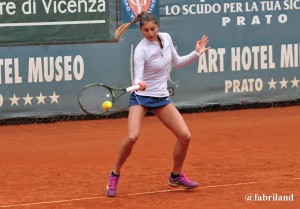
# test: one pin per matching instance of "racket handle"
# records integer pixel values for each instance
(132, 88)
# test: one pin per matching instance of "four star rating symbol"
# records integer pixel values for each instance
(284, 83)
(29, 99)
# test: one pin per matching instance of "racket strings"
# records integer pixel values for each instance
(92, 98)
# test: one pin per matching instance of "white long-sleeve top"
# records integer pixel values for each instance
(151, 64)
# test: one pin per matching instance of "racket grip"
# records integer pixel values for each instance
(132, 88)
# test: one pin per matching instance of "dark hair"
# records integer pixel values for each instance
(143, 17)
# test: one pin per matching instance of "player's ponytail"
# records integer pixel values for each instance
(122, 28)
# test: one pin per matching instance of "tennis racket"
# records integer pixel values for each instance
(93, 95)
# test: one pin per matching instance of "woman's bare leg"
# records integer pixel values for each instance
(136, 114)
(173, 120)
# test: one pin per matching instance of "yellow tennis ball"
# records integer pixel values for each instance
(107, 105)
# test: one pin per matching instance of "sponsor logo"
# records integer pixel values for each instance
(171, 91)
(134, 7)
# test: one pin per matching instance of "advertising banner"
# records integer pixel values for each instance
(54, 21)
(254, 54)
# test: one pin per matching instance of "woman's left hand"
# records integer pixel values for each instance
(201, 45)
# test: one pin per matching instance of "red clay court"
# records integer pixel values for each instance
(233, 155)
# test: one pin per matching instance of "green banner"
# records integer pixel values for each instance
(53, 21)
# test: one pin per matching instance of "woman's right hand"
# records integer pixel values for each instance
(142, 85)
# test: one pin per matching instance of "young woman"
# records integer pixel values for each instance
(152, 57)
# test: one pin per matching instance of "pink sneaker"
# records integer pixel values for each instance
(111, 187)
(182, 180)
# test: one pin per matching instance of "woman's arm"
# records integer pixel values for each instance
(182, 61)
(139, 62)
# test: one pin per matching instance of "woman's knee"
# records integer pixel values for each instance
(132, 138)
(185, 138)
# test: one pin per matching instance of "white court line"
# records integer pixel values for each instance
(140, 193)
(52, 23)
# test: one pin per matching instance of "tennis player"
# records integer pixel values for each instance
(152, 58)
